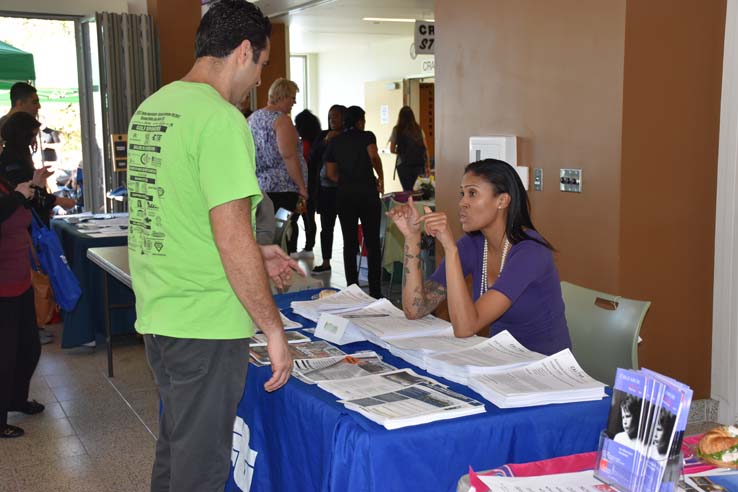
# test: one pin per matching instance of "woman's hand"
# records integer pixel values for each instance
(40, 176)
(24, 189)
(436, 225)
(406, 218)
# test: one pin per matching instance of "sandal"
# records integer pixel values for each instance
(30, 408)
(11, 431)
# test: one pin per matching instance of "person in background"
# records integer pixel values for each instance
(515, 284)
(199, 276)
(408, 142)
(327, 189)
(23, 98)
(351, 159)
(20, 347)
(308, 127)
(280, 166)
(16, 166)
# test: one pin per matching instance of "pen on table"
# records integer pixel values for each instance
(352, 316)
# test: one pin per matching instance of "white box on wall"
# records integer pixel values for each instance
(502, 147)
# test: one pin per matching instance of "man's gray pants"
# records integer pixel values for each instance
(200, 384)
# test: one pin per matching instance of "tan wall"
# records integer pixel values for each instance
(578, 82)
(551, 73)
(278, 63)
(176, 25)
(671, 116)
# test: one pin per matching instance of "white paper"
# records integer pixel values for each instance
(502, 350)
(348, 299)
(288, 323)
(374, 385)
(292, 337)
(352, 366)
(562, 482)
(555, 373)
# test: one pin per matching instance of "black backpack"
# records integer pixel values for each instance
(410, 151)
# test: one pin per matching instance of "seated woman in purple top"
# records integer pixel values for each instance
(515, 284)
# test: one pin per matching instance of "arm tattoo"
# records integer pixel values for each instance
(407, 258)
(427, 298)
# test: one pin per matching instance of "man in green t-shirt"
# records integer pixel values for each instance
(199, 276)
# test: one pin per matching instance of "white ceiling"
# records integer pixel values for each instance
(323, 25)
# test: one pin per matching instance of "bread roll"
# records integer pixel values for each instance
(715, 443)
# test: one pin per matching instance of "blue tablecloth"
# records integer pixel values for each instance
(305, 441)
(88, 318)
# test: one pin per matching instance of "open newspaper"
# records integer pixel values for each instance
(308, 350)
(348, 299)
(493, 355)
(557, 378)
(357, 365)
(402, 398)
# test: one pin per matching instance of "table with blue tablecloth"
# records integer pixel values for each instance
(87, 319)
(300, 438)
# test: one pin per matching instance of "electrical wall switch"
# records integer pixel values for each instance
(570, 180)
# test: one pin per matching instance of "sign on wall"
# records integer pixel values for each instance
(425, 37)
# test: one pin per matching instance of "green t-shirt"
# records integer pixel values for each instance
(189, 151)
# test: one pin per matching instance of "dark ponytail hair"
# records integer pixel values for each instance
(504, 179)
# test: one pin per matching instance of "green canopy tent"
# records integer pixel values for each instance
(15, 66)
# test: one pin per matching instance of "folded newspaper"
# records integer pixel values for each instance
(360, 364)
(308, 350)
(557, 378)
(402, 398)
(288, 323)
(292, 337)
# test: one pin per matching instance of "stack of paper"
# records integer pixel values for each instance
(555, 379)
(497, 354)
(379, 322)
(349, 299)
(352, 366)
(416, 350)
(307, 350)
(402, 398)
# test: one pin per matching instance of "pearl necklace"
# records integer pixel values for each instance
(505, 250)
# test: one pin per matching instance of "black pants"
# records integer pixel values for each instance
(288, 200)
(20, 350)
(408, 175)
(311, 228)
(200, 384)
(365, 206)
(327, 208)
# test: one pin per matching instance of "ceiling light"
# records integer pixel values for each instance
(390, 19)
